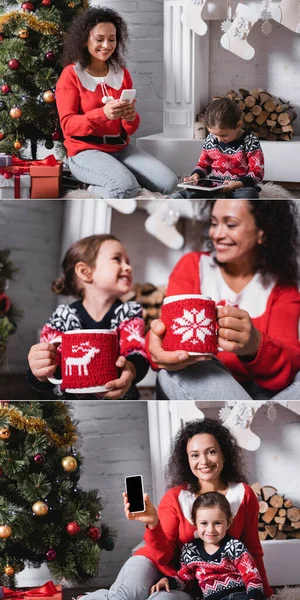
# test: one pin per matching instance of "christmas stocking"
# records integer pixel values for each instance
(161, 224)
(191, 16)
(235, 38)
(124, 205)
(288, 14)
(238, 418)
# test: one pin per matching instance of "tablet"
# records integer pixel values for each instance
(209, 185)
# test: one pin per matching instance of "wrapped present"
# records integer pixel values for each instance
(45, 176)
(48, 591)
(14, 183)
(5, 160)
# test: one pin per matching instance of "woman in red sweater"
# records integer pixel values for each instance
(96, 124)
(205, 457)
(251, 273)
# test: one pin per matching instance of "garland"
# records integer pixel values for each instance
(43, 27)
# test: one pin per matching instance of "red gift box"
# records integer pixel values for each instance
(48, 591)
(45, 176)
(18, 186)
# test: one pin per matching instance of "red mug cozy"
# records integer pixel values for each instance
(190, 321)
(88, 358)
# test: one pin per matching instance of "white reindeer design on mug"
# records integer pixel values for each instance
(81, 361)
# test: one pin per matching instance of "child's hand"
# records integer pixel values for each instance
(195, 177)
(149, 516)
(232, 185)
(162, 584)
(42, 360)
(118, 387)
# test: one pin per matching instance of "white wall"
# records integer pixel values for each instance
(31, 229)
(115, 443)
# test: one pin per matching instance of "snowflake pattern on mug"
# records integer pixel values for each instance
(193, 326)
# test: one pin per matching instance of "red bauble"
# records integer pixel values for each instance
(50, 56)
(2, 37)
(4, 304)
(1, 472)
(56, 135)
(39, 459)
(73, 528)
(13, 64)
(5, 89)
(51, 554)
(27, 6)
(94, 533)
(46, 2)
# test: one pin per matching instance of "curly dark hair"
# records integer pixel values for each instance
(75, 48)
(210, 500)
(178, 470)
(280, 222)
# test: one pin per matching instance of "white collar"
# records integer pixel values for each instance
(113, 79)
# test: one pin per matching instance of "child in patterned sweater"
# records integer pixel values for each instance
(229, 154)
(97, 270)
(216, 563)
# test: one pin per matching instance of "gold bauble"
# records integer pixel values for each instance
(17, 145)
(69, 464)
(5, 531)
(4, 433)
(9, 570)
(40, 508)
(15, 112)
(48, 96)
(23, 34)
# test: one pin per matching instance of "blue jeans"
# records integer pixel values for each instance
(120, 175)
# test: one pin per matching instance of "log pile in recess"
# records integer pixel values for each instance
(278, 518)
(270, 118)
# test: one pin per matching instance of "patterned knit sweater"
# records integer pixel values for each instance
(125, 318)
(231, 569)
(240, 160)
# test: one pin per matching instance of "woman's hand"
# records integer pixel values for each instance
(129, 111)
(149, 516)
(118, 387)
(195, 177)
(236, 331)
(116, 109)
(162, 584)
(230, 186)
(42, 360)
(171, 361)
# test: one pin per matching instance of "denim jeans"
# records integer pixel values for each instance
(211, 380)
(120, 175)
(134, 582)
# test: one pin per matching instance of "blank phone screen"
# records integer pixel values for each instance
(135, 493)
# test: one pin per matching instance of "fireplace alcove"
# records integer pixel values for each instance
(196, 68)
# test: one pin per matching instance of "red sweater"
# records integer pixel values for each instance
(165, 541)
(278, 358)
(80, 108)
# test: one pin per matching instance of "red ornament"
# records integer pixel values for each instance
(39, 459)
(73, 528)
(13, 64)
(51, 554)
(56, 135)
(2, 37)
(15, 112)
(46, 2)
(94, 533)
(50, 56)
(5, 89)
(28, 6)
(4, 304)
(1, 472)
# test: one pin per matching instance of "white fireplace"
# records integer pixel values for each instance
(196, 68)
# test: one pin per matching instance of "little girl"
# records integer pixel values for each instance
(97, 270)
(217, 563)
(229, 154)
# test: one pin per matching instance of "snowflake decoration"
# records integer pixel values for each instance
(241, 28)
(224, 413)
(272, 412)
(236, 414)
(225, 25)
(194, 326)
(266, 27)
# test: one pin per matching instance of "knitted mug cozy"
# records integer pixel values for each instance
(88, 360)
(190, 321)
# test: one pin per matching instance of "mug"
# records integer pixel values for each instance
(190, 321)
(88, 358)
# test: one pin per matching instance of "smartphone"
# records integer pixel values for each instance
(135, 493)
(203, 184)
(128, 95)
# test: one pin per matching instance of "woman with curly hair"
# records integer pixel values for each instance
(251, 272)
(205, 458)
(96, 124)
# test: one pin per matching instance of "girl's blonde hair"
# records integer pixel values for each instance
(85, 250)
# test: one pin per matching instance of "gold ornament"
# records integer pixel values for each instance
(48, 96)
(4, 433)
(5, 531)
(69, 464)
(15, 112)
(40, 508)
(23, 34)
(9, 570)
(17, 145)
(71, 4)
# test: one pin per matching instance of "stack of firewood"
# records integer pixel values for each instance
(270, 118)
(278, 519)
(150, 297)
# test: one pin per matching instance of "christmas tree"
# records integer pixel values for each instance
(9, 315)
(45, 517)
(31, 38)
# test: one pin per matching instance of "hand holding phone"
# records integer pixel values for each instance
(135, 493)
(128, 95)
